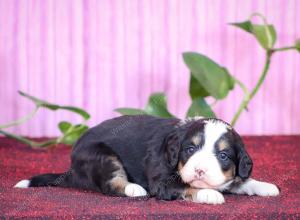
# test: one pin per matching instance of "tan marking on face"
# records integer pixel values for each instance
(180, 165)
(223, 145)
(229, 174)
(190, 194)
(196, 139)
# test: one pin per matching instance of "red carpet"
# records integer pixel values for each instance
(276, 159)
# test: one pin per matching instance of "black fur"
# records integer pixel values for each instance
(244, 162)
(148, 149)
(45, 180)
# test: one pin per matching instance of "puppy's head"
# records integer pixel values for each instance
(208, 153)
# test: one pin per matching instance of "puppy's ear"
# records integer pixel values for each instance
(245, 164)
(172, 147)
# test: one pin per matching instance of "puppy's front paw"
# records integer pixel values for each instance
(266, 189)
(254, 187)
(209, 196)
(133, 190)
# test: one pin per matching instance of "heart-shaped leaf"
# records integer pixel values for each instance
(246, 26)
(157, 105)
(230, 79)
(209, 74)
(196, 89)
(199, 107)
(64, 126)
(38, 102)
(265, 34)
(130, 111)
(45, 104)
(79, 111)
(72, 136)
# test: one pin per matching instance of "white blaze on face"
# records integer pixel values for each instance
(206, 160)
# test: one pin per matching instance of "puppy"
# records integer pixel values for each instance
(195, 160)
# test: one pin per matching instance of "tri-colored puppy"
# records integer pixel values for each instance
(169, 159)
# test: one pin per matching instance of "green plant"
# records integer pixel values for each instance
(70, 132)
(209, 79)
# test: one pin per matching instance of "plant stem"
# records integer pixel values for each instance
(248, 97)
(256, 14)
(31, 143)
(269, 52)
(284, 48)
(43, 144)
(243, 87)
(21, 120)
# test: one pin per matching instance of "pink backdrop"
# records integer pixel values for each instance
(105, 54)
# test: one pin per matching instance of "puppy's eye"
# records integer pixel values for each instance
(190, 149)
(223, 156)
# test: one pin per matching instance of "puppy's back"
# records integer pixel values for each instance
(129, 137)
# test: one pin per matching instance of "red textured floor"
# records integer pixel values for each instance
(276, 159)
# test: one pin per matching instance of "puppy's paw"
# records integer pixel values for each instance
(209, 196)
(265, 189)
(254, 187)
(133, 190)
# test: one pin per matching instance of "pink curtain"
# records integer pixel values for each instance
(105, 54)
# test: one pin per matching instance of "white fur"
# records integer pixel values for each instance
(133, 190)
(22, 184)
(213, 131)
(206, 160)
(209, 196)
(254, 187)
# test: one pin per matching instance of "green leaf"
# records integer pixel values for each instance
(230, 79)
(157, 106)
(196, 89)
(130, 111)
(79, 111)
(71, 137)
(297, 45)
(246, 26)
(209, 74)
(64, 126)
(37, 101)
(265, 34)
(45, 104)
(199, 107)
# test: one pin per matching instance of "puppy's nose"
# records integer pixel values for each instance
(199, 171)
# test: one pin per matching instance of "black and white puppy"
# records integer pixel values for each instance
(195, 159)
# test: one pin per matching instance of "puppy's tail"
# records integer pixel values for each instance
(59, 179)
